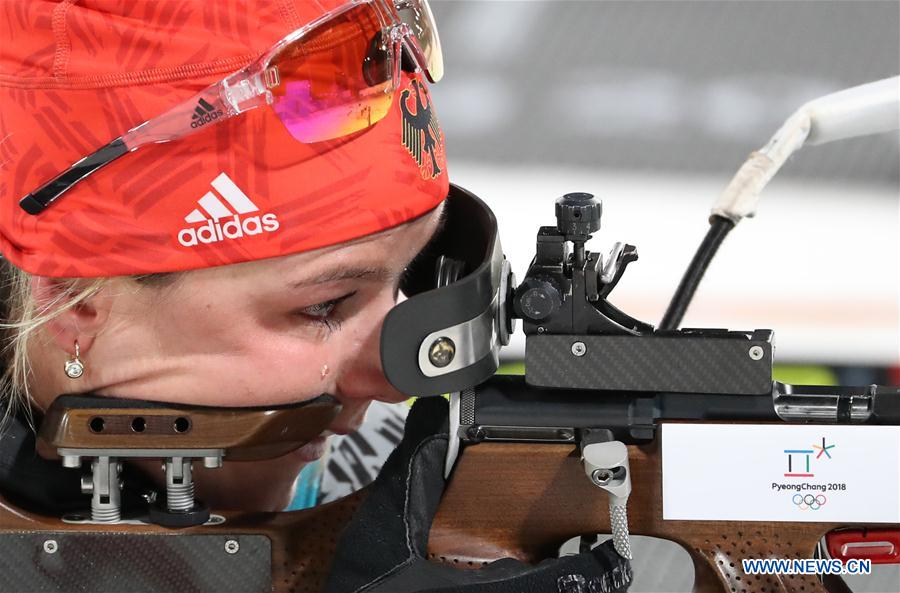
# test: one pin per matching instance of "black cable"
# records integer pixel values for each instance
(719, 227)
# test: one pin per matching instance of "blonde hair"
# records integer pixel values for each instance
(20, 320)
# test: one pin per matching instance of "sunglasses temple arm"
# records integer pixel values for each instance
(207, 106)
(411, 45)
(38, 200)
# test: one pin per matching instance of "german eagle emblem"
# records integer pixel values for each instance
(421, 131)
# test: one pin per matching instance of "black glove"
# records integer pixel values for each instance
(383, 548)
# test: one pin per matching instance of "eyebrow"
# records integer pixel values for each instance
(381, 274)
(369, 273)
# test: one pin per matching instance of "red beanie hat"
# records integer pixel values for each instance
(75, 74)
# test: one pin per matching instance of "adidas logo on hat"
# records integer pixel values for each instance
(204, 113)
(220, 222)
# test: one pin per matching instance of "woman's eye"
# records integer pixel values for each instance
(321, 309)
(322, 312)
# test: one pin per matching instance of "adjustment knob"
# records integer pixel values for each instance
(578, 214)
(536, 299)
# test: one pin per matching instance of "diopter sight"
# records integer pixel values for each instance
(565, 288)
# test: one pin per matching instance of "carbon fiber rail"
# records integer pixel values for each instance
(506, 408)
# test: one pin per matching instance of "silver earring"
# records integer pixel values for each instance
(74, 366)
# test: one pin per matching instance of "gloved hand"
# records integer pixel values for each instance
(384, 547)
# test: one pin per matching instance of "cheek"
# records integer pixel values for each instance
(358, 341)
(365, 330)
(227, 356)
(238, 360)
(201, 326)
(277, 371)
(313, 366)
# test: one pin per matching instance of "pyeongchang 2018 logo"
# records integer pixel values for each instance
(799, 460)
(214, 221)
(806, 495)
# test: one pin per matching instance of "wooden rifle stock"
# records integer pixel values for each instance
(503, 500)
(302, 543)
(524, 500)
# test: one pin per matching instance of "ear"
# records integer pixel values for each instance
(81, 322)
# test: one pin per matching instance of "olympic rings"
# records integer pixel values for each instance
(808, 501)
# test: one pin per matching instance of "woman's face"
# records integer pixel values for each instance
(273, 331)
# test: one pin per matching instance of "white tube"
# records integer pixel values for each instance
(859, 111)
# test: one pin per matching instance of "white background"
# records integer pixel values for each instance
(725, 472)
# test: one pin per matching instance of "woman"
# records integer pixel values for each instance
(250, 259)
(234, 230)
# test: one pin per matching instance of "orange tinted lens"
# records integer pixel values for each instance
(337, 79)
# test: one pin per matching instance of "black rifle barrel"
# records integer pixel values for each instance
(507, 401)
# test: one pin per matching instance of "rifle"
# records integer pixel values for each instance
(546, 450)
(605, 393)
(548, 445)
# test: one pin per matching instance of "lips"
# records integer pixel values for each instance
(349, 420)
(317, 447)
(313, 450)
(343, 429)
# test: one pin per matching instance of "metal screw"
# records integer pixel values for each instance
(50, 546)
(756, 353)
(475, 433)
(601, 477)
(441, 352)
(232, 546)
(541, 329)
(579, 349)
(212, 462)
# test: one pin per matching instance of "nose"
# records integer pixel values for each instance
(361, 377)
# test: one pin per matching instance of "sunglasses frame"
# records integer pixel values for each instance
(239, 92)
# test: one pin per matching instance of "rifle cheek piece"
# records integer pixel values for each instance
(108, 431)
(447, 335)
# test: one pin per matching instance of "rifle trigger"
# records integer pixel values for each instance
(606, 466)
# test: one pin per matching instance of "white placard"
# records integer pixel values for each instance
(781, 472)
